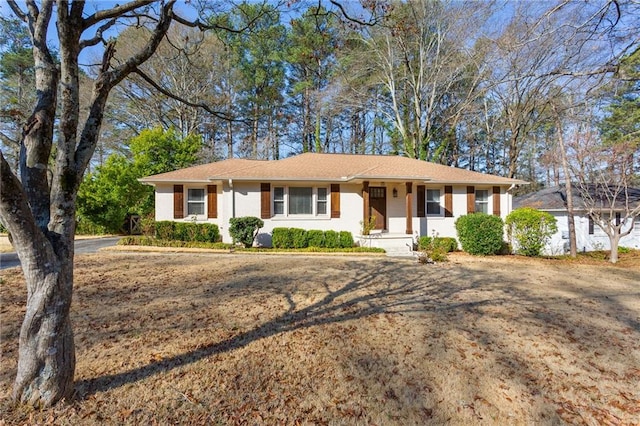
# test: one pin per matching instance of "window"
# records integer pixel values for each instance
(482, 201)
(294, 200)
(321, 203)
(433, 201)
(300, 200)
(278, 200)
(195, 201)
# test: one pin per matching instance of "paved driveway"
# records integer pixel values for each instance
(92, 245)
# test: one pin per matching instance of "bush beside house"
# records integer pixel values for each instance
(187, 231)
(480, 233)
(288, 238)
(529, 230)
(245, 229)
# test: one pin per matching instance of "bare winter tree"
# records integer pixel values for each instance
(604, 178)
(37, 205)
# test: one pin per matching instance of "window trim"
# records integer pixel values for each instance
(315, 201)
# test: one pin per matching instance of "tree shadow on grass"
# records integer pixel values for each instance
(358, 298)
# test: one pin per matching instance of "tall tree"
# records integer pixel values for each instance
(38, 209)
(313, 41)
(258, 55)
(16, 90)
(421, 59)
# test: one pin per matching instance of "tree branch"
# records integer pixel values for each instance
(17, 11)
(98, 37)
(217, 114)
(114, 12)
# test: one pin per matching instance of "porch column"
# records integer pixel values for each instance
(409, 204)
(365, 203)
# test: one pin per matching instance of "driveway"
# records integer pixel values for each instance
(92, 245)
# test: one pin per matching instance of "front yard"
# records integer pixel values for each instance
(255, 339)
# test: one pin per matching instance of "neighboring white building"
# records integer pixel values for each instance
(408, 197)
(589, 236)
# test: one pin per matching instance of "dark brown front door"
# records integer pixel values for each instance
(378, 205)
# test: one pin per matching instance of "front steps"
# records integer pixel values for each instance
(396, 245)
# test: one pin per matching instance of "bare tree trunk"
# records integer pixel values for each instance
(573, 248)
(39, 209)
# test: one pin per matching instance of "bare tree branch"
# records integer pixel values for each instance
(218, 114)
(114, 12)
(17, 11)
(98, 37)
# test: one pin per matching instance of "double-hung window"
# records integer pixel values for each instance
(300, 201)
(195, 201)
(433, 201)
(278, 200)
(321, 201)
(482, 201)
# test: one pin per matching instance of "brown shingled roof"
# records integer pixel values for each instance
(331, 167)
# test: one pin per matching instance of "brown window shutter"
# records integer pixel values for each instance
(265, 200)
(178, 201)
(471, 199)
(618, 218)
(335, 200)
(420, 197)
(448, 201)
(212, 201)
(496, 200)
(591, 226)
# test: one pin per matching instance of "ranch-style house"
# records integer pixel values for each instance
(406, 197)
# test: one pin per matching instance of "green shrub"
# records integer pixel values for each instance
(315, 238)
(480, 233)
(448, 244)
(187, 231)
(624, 250)
(164, 229)
(210, 233)
(245, 229)
(346, 239)
(298, 237)
(424, 242)
(281, 238)
(331, 239)
(529, 230)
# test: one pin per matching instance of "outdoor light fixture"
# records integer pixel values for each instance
(395, 193)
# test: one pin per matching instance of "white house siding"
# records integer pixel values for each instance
(237, 199)
(164, 203)
(349, 220)
(559, 243)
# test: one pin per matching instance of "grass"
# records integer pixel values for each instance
(235, 339)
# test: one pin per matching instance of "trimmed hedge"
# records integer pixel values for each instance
(480, 233)
(315, 238)
(187, 231)
(296, 238)
(281, 238)
(346, 239)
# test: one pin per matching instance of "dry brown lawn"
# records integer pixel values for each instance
(252, 339)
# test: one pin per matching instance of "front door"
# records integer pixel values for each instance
(378, 205)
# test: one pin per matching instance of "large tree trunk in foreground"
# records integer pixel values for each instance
(46, 362)
(39, 208)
